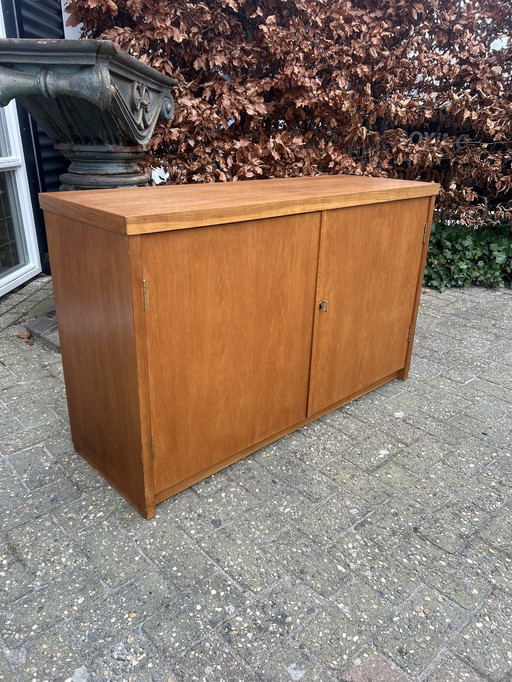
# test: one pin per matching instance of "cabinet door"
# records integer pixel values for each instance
(370, 261)
(229, 331)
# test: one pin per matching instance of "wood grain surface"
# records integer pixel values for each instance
(92, 285)
(229, 328)
(370, 258)
(145, 210)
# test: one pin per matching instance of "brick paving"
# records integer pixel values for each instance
(374, 545)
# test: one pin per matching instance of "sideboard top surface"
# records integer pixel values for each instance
(143, 210)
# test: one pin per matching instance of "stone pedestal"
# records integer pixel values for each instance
(99, 104)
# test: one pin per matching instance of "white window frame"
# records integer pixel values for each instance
(15, 163)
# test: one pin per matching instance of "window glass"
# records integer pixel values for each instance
(5, 147)
(12, 247)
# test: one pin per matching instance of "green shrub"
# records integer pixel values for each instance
(459, 256)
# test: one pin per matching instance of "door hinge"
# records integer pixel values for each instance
(409, 334)
(324, 306)
(152, 446)
(425, 230)
(145, 293)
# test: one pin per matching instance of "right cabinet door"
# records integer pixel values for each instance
(369, 268)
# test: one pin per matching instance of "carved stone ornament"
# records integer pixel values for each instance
(99, 104)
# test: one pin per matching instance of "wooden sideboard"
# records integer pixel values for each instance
(200, 322)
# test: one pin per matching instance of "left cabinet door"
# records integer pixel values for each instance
(229, 328)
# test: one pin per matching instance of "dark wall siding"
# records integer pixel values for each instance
(43, 19)
(37, 19)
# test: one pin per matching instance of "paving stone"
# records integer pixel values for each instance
(480, 386)
(357, 482)
(121, 612)
(20, 505)
(422, 368)
(373, 451)
(113, 555)
(486, 642)
(452, 669)
(256, 479)
(498, 474)
(7, 379)
(44, 549)
(422, 455)
(10, 426)
(219, 481)
(276, 506)
(321, 452)
(268, 621)
(292, 471)
(438, 485)
(32, 412)
(54, 432)
(82, 474)
(497, 532)
(175, 555)
(192, 617)
(471, 457)
(475, 427)
(349, 425)
(420, 488)
(291, 662)
(5, 671)
(202, 514)
(48, 605)
(343, 628)
(300, 556)
(467, 370)
(210, 661)
(451, 432)
(439, 404)
(14, 510)
(36, 467)
(370, 666)
(490, 563)
(323, 435)
(443, 383)
(6, 469)
(333, 517)
(487, 410)
(450, 527)
(15, 580)
(389, 524)
(89, 508)
(419, 632)
(40, 387)
(51, 657)
(387, 574)
(289, 445)
(497, 374)
(391, 389)
(5, 412)
(271, 515)
(454, 576)
(246, 563)
(132, 658)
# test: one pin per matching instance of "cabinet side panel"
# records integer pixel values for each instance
(92, 284)
(229, 323)
(421, 272)
(368, 273)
